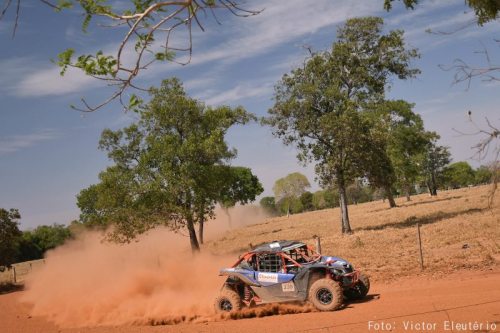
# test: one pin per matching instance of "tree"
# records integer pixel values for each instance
(486, 10)
(483, 175)
(435, 160)
(291, 186)
(9, 236)
(150, 26)
(306, 199)
(319, 107)
(358, 193)
(269, 205)
(241, 187)
(327, 198)
(35, 243)
(92, 212)
(168, 167)
(407, 141)
(459, 174)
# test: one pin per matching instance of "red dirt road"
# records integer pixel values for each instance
(462, 302)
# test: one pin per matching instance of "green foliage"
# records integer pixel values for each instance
(483, 175)
(407, 141)
(170, 168)
(459, 174)
(323, 199)
(293, 185)
(321, 107)
(64, 60)
(485, 10)
(9, 236)
(358, 193)
(43, 238)
(291, 205)
(239, 186)
(435, 160)
(269, 205)
(306, 199)
(407, 3)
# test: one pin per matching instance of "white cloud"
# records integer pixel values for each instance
(280, 23)
(48, 82)
(15, 143)
(22, 77)
(239, 92)
(198, 83)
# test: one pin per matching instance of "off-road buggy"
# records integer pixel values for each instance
(287, 271)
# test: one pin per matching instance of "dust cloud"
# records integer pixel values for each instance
(156, 280)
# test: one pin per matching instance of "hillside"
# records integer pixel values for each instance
(458, 231)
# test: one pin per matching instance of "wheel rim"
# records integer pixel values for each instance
(324, 296)
(225, 305)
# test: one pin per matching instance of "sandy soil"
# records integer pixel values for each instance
(463, 298)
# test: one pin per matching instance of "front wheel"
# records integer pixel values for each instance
(359, 290)
(326, 295)
(227, 301)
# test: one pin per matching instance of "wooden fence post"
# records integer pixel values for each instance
(420, 247)
(318, 244)
(15, 276)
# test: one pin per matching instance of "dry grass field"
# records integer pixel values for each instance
(458, 231)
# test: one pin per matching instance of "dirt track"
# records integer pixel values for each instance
(467, 297)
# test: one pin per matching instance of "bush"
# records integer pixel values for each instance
(269, 206)
(307, 201)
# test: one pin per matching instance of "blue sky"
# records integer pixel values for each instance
(48, 152)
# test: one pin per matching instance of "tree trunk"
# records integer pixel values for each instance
(195, 246)
(344, 214)
(390, 198)
(229, 220)
(408, 192)
(432, 185)
(200, 229)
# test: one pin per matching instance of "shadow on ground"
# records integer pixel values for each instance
(427, 219)
(415, 203)
(366, 299)
(6, 288)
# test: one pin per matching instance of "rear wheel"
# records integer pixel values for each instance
(326, 295)
(359, 290)
(227, 301)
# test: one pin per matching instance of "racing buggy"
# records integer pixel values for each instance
(288, 271)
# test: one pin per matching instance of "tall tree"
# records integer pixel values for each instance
(241, 186)
(483, 175)
(459, 174)
(36, 242)
(269, 205)
(291, 186)
(407, 140)
(168, 165)
(435, 160)
(10, 236)
(318, 107)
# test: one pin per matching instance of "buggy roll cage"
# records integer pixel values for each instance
(250, 256)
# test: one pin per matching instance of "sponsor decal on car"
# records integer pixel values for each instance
(267, 277)
(288, 287)
(273, 245)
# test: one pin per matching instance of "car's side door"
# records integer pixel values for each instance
(272, 275)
